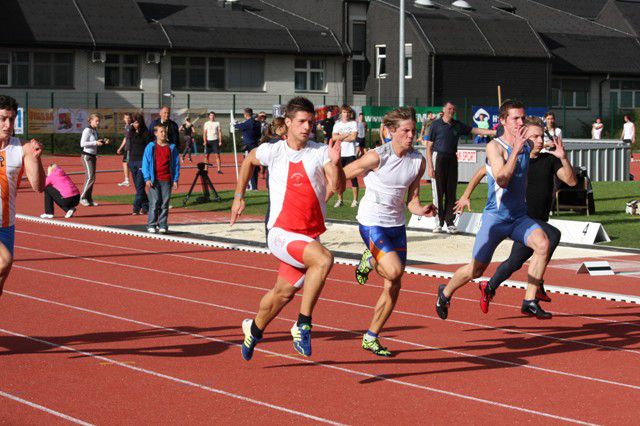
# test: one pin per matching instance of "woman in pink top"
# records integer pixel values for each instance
(61, 190)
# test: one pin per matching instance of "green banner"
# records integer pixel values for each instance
(373, 114)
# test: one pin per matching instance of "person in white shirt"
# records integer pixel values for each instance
(596, 129)
(628, 131)
(212, 139)
(552, 134)
(345, 131)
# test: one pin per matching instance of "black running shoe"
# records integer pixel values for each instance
(541, 294)
(532, 308)
(442, 303)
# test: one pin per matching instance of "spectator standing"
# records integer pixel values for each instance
(596, 129)
(264, 125)
(89, 142)
(483, 123)
(326, 126)
(187, 130)
(362, 134)
(426, 126)
(173, 133)
(628, 131)
(552, 134)
(124, 149)
(345, 131)
(138, 138)
(442, 162)
(250, 129)
(212, 139)
(59, 189)
(161, 170)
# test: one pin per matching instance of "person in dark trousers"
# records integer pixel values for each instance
(326, 126)
(89, 142)
(138, 137)
(161, 170)
(59, 189)
(189, 140)
(442, 163)
(251, 131)
(173, 132)
(543, 167)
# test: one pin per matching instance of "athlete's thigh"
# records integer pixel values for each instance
(492, 232)
(288, 246)
(524, 229)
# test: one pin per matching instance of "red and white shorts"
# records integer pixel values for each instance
(289, 247)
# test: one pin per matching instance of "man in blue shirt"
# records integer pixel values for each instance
(251, 131)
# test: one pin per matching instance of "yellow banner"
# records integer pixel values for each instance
(40, 120)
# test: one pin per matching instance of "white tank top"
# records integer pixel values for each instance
(384, 200)
(11, 169)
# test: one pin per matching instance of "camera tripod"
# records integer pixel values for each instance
(206, 185)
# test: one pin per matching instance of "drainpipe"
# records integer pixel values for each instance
(607, 78)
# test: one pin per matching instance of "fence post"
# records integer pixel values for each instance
(26, 115)
(279, 99)
(142, 100)
(188, 100)
(96, 102)
(234, 103)
(53, 148)
(324, 99)
(52, 99)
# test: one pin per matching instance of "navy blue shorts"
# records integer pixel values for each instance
(381, 240)
(8, 237)
(494, 230)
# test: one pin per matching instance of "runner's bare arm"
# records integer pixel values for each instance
(246, 170)
(503, 170)
(465, 199)
(369, 161)
(33, 164)
(413, 196)
(333, 170)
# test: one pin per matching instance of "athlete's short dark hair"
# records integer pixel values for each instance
(508, 105)
(248, 111)
(299, 103)
(393, 118)
(9, 103)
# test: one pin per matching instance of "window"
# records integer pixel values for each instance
(216, 73)
(358, 38)
(36, 69)
(408, 60)
(570, 93)
(122, 72)
(5, 66)
(381, 61)
(625, 93)
(309, 75)
(360, 72)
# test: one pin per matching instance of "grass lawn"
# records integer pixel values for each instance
(610, 199)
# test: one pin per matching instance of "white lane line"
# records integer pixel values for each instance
(350, 282)
(293, 358)
(157, 374)
(571, 291)
(45, 409)
(211, 280)
(405, 342)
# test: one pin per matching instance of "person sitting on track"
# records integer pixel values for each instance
(505, 214)
(299, 172)
(542, 169)
(59, 189)
(16, 157)
(392, 175)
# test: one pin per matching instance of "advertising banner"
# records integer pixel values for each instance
(40, 120)
(373, 114)
(487, 117)
(18, 127)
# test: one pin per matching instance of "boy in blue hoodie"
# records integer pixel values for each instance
(161, 170)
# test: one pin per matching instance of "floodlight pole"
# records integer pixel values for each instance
(401, 58)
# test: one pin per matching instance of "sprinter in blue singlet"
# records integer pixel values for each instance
(505, 215)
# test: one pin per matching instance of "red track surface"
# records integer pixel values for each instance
(115, 329)
(128, 330)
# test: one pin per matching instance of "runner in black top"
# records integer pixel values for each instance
(542, 169)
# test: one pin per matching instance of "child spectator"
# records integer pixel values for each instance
(161, 170)
(61, 190)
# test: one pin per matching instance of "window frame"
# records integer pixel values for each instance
(121, 65)
(619, 91)
(308, 70)
(30, 63)
(558, 93)
(408, 61)
(8, 65)
(208, 67)
(379, 59)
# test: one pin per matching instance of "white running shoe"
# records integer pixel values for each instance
(124, 183)
(452, 229)
(151, 230)
(94, 204)
(437, 229)
(354, 203)
(85, 203)
(46, 216)
(70, 213)
(163, 230)
(338, 204)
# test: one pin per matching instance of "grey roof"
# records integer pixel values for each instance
(484, 31)
(250, 25)
(622, 14)
(584, 8)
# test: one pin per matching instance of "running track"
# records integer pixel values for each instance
(100, 328)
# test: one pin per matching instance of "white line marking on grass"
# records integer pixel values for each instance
(293, 358)
(409, 343)
(45, 409)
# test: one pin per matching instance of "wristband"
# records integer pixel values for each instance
(238, 195)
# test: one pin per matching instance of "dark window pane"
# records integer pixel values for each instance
(63, 58)
(301, 80)
(245, 73)
(316, 64)
(63, 76)
(197, 78)
(41, 75)
(359, 76)
(383, 66)
(130, 59)
(567, 98)
(129, 77)
(317, 81)
(4, 74)
(111, 76)
(178, 60)
(582, 99)
(20, 57)
(359, 38)
(178, 78)
(216, 62)
(301, 63)
(4, 58)
(636, 102)
(216, 78)
(113, 59)
(575, 85)
(555, 97)
(198, 61)
(41, 58)
(20, 75)
(382, 50)
(615, 84)
(626, 99)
